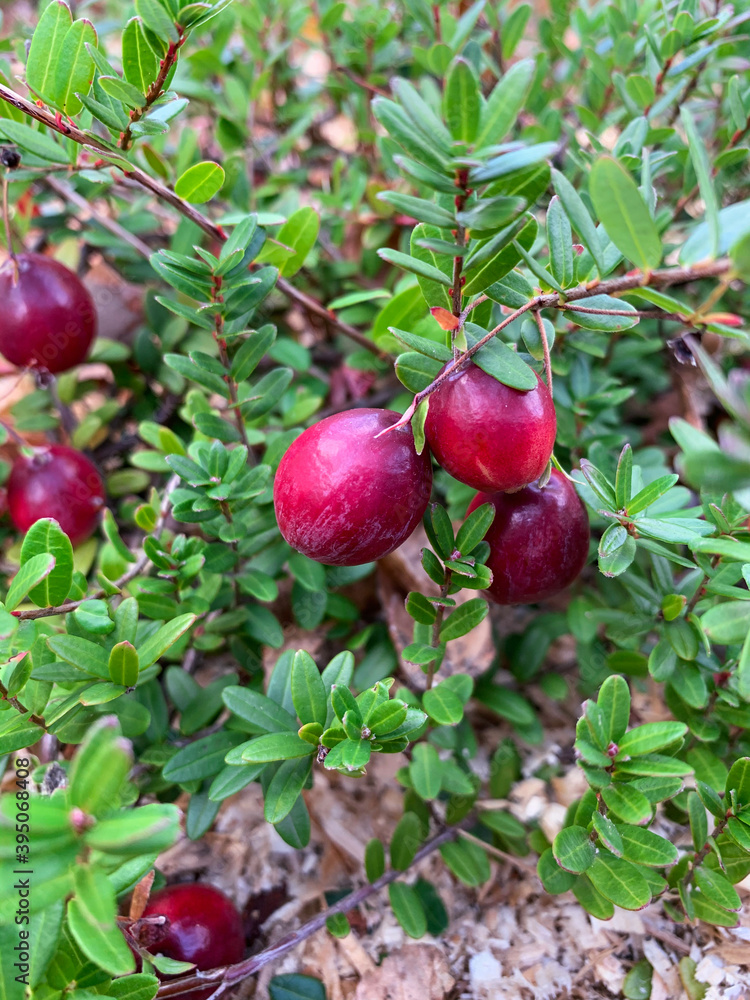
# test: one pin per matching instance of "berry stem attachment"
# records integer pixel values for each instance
(545, 348)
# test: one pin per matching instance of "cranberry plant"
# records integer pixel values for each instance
(472, 213)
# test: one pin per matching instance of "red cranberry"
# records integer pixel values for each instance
(344, 496)
(205, 928)
(539, 540)
(56, 482)
(48, 315)
(490, 436)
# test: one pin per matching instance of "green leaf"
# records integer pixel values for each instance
(591, 899)
(646, 848)
(504, 103)
(424, 771)
(607, 833)
(248, 357)
(201, 759)
(614, 703)
(627, 802)
(405, 841)
(573, 849)
(139, 62)
(579, 217)
(308, 690)
(45, 49)
(637, 983)
(285, 788)
(349, 754)
(422, 345)
(32, 141)
(92, 922)
(200, 182)
(619, 881)
(420, 609)
(474, 528)
(461, 106)
(602, 321)
(738, 781)
(46, 536)
(419, 209)
(443, 705)
(650, 494)
(466, 617)
(148, 829)
(407, 909)
(649, 737)
(623, 212)
(498, 360)
(374, 859)
(554, 879)
(418, 267)
(124, 664)
(717, 888)
(699, 156)
(122, 91)
(616, 551)
(416, 371)
(136, 987)
(468, 862)
(156, 19)
(293, 986)
(299, 233)
(29, 575)
(508, 163)
(727, 623)
(560, 243)
(154, 648)
(75, 67)
(276, 746)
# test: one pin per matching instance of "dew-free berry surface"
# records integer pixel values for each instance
(205, 927)
(57, 482)
(344, 496)
(488, 435)
(48, 317)
(539, 540)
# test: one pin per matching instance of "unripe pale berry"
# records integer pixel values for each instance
(48, 316)
(539, 540)
(345, 496)
(57, 482)
(490, 436)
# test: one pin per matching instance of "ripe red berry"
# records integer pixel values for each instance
(344, 496)
(204, 927)
(490, 436)
(48, 315)
(539, 540)
(56, 482)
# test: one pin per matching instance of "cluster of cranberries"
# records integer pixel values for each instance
(344, 495)
(48, 324)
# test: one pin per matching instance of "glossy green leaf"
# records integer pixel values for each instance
(623, 212)
(407, 909)
(139, 63)
(461, 107)
(200, 182)
(619, 881)
(573, 849)
(308, 691)
(28, 577)
(46, 47)
(504, 103)
(46, 536)
(425, 771)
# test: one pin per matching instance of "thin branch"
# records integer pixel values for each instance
(545, 348)
(133, 173)
(242, 970)
(69, 194)
(135, 570)
(154, 91)
(557, 300)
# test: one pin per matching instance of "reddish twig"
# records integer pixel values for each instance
(242, 970)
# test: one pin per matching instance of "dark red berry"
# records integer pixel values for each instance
(490, 436)
(56, 482)
(344, 496)
(539, 540)
(204, 927)
(48, 315)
